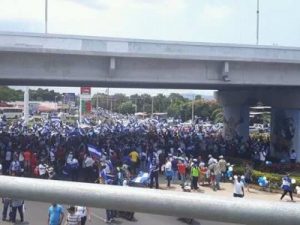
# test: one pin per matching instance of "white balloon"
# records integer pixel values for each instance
(264, 178)
(243, 177)
(235, 176)
(293, 181)
(230, 169)
(0, 166)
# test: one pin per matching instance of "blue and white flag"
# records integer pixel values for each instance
(94, 152)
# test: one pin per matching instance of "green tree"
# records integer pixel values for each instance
(9, 94)
(161, 103)
(127, 108)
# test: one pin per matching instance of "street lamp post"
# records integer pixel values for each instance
(193, 108)
(46, 16)
(257, 23)
(152, 107)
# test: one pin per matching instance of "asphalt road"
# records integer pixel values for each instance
(36, 214)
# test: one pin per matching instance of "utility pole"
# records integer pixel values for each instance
(46, 16)
(107, 99)
(97, 103)
(257, 23)
(26, 105)
(111, 103)
(152, 107)
(193, 108)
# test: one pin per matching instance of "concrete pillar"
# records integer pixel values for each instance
(236, 121)
(285, 132)
(236, 112)
(26, 105)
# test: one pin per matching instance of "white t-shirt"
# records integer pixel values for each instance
(168, 166)
(8, 156)
(52, 156)
(293, 155)
(21, 157)
(42, 169)
(88, 162)
(238, 187)
(81, 211)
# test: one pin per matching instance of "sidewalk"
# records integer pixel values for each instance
(227, 191)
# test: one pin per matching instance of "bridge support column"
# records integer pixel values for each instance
(236, 121)
(235, 112)
(285, 132)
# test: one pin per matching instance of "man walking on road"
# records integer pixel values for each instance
(287, 187)
(55, 214)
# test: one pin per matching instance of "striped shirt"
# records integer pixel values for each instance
(73, 219)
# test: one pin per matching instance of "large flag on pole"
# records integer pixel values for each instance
(94, 152)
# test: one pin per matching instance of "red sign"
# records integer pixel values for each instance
(85, 90)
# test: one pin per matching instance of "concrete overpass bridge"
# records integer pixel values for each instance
(243, 74)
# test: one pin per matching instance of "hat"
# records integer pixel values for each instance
(194, 160)
(221, 157)
(209, 156)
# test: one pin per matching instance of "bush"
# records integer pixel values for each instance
(271, 177)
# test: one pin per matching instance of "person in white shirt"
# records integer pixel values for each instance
(238, 188)
(42, 170)
(88, 168)
(293, 157)
(168, 172)
(72, 217)
(84, 213)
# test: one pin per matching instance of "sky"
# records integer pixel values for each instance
(218, 21)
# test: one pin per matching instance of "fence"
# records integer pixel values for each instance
(189, 205)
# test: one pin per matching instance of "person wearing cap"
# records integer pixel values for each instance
(222, 163)
(195, 175)
(72, 217)
(211, 160)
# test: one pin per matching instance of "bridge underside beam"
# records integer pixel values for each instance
(77, 70)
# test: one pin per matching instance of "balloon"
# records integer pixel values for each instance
(230, 169)
(0, 167)
(264, 178)
(243, 177)
(235, 176)
(293, 181)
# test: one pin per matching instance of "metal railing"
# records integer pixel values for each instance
(179, 204)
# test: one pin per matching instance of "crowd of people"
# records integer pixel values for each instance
(117, 150)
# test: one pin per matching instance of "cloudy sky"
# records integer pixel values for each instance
(221, 21)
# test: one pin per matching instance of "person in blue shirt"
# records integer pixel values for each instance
(55, 214)
(287, 187)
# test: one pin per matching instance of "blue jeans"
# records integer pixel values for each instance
(5, 209)
(110, 214)
(218, 179)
